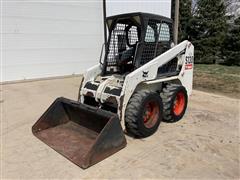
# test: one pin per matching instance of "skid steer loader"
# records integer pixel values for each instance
(142, 79)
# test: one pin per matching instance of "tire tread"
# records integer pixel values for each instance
(132, 112)
(167, 97)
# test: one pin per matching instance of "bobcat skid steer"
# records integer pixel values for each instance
(142, 79)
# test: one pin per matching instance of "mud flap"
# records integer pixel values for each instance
(83, 134)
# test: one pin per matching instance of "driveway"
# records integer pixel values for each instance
(204, 144)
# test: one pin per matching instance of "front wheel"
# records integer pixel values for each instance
(143, 113)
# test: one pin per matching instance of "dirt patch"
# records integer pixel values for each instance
(203, 145)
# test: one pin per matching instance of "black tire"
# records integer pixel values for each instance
(169, 96)
(137, 112)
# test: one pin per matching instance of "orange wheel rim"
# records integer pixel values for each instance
(179, 103)
(151, 114)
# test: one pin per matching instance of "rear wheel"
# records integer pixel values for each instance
(143, 113)
(175, 101)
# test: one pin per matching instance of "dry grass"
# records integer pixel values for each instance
(217, 79)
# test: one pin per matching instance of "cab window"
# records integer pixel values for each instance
(164, 32)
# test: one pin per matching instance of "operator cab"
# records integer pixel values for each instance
(135, 39)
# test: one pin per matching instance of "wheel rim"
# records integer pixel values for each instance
(151, 114)
(179, 103)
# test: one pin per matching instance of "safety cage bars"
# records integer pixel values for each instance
(126, 50)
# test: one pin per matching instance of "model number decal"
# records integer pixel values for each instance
(189, 62)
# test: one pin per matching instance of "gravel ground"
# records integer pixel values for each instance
(203, 145)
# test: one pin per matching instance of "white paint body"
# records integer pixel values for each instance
(135, 80)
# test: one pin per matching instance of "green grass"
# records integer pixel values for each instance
(217, 79)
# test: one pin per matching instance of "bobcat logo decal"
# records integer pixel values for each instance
(145, 74)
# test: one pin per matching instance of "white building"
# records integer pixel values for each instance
(56, 38)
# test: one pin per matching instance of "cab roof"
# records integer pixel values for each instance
(141, 14)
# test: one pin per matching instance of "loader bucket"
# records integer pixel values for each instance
(83, 134)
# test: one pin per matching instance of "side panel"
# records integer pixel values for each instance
(148, 72)
(186, 75)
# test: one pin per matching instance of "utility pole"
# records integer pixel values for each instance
(104, 22)
(176, 21)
